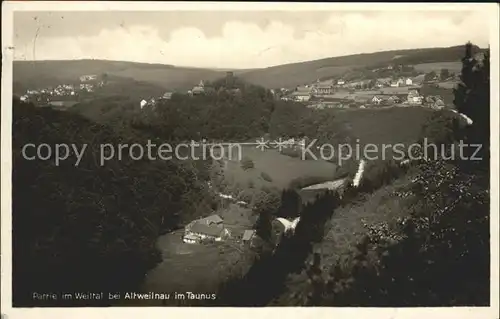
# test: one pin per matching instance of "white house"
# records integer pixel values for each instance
(289, 226)
(408, 81)
(302, 94)
(85, 78)
(376, 99)
(340, 82)
(302, 97)
(209, 228)
(415, 98)
(143, 103)
(248, 235)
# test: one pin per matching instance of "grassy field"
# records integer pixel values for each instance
(281, 168)
(448, 85)
(191, 267)
(454, 67)
(389, 126)
(380, 126)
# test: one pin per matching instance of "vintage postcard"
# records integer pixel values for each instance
(249, 159)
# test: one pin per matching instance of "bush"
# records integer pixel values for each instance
(247, 163)
(266, 177)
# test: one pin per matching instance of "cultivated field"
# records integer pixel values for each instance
(437, 66)
(448, 85)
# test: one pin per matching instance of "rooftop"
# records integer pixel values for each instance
(248, 234)
(212, 230)
(213, 219)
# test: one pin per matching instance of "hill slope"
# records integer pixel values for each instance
(39, 73)
(290, 75)
(42, 73)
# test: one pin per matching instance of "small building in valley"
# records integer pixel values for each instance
(248, 235)
(302, 94)
(376, 100)
(209, 228)
(167, 96)
(199, 89)
(325, 88)
(414, 97)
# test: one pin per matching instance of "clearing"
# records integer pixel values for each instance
(281, 169)
(455, 67)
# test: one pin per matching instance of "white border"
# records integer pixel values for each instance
(491, 12)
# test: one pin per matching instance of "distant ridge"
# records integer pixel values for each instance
(173, 77)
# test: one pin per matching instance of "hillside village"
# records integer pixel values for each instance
(64, 94)
(357, 92)
(368, 91)
(382, 87)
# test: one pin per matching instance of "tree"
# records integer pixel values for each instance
(472, 98)
(445, 74)
(266, 204)
(430, 76)
(290, 204)
(264, 226)
(105, 78)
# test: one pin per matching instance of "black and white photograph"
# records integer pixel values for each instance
(162, 155)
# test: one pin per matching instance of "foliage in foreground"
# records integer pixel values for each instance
(90, 227)
(439, 255)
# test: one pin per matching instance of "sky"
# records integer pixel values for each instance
(237, 39)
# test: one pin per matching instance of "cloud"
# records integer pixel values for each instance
(248, 45)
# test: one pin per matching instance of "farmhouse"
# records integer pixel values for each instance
(376, 99)
(167, 96)
(199, 89)
(325, 88)
(86, 78)
(438, 105)
(408, 81)
(248, 235)
(380, 84)
(301, 94)
(209, 228)
(394, 99)
(414, 97)
(340, 82)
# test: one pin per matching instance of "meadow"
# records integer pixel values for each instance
(454, 67)
(384, 126)
(281, 169)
